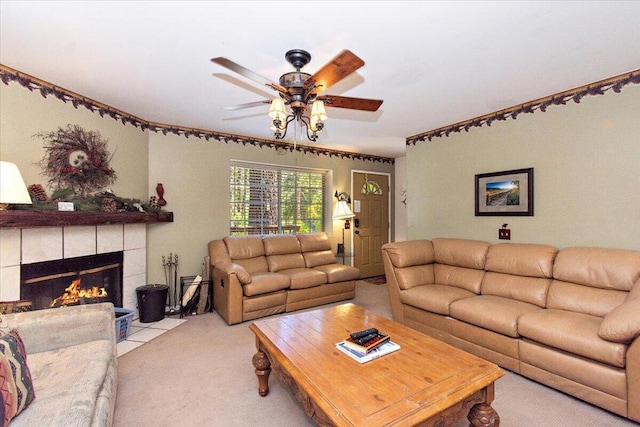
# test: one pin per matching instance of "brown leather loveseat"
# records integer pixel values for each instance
(568, 318)
(257, 276)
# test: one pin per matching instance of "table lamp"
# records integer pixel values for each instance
(342, 212)
(12, 187)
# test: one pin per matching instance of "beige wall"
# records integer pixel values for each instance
(24, 114)
(400, 196)
(194, 172)
(586, 160)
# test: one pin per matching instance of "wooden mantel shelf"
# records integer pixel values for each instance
(28, 219)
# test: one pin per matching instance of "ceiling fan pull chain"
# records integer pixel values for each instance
(300, 130)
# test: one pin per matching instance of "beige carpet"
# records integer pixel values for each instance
(200, 374)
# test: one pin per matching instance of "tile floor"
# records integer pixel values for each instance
(140, 333)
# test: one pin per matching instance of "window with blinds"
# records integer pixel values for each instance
(266, 199)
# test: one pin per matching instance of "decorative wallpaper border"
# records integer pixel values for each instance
(598, 88)
(8, 75)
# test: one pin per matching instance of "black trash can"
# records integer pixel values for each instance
(151, 302)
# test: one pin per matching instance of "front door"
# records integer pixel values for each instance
(371, 223)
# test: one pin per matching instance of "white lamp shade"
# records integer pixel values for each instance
(277, 110)
(343, 211)
(12, 187)
(318, 112)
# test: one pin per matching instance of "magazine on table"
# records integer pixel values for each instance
(386, 348)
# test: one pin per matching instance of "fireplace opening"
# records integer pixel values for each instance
(73, 281)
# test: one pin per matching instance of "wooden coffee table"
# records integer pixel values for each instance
(426, 382)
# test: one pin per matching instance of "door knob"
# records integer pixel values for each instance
(357, 231)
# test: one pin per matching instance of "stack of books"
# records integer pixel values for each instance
(367, 345)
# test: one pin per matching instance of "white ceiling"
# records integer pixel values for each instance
(433, 63)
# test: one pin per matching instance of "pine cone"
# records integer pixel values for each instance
(37, 192)
(109, 205)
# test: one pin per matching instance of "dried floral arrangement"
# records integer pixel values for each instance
(76, 158)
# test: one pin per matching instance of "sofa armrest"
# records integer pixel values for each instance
(622, 324)
(633, 380)
(397, 311)
(55, 328)
(230, 268)
(227, 293)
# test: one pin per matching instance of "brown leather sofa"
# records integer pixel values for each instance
(256, 276)
(567, 318)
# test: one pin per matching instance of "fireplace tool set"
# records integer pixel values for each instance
(170, 265)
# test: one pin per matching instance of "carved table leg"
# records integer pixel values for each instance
(483, 415)
(263, 369)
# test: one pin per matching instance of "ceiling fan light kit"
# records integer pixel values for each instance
(280, 120)
(301, 92)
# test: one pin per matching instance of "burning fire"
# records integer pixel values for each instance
(73, 293)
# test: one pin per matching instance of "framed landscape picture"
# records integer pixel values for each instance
(506, 193)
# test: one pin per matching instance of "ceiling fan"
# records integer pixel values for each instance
(300, 90)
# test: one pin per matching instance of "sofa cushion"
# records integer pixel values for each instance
(315, 258)
(254, 265)
(281, 244)
(244, 247)
(17, 386)
(312, 242)
(246, 251)
(491, 312)
(68, 396)
(301, 278)
(264, 283)
(522, 259)
(339, 273)
(575, 333)
(598, 267)
(434, 298)
(583, 299)
(526, 289)
(460, 277)
(409, 253)
(416, 275)
(461, 252)
(285, 262)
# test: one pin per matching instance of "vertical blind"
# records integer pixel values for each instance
(267, 199)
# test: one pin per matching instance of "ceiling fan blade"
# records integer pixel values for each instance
(335, 70)
(227, 63)
(247, 105)
(351, 103)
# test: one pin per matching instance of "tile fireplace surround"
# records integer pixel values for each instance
(29, 245)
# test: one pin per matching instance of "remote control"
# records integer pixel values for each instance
(366, 338)
(364, 333)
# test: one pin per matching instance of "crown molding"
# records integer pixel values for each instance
(9, 75)
(598, 88)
